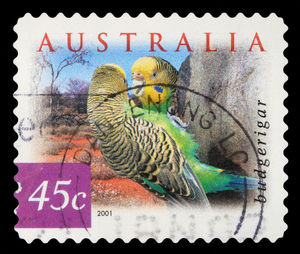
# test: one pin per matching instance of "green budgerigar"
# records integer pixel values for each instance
(136, 148)
(153, 83)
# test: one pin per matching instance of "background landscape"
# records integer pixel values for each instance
(62, 79)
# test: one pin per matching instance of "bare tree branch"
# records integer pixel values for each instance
(75, 58)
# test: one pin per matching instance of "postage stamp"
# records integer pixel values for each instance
(138, 127)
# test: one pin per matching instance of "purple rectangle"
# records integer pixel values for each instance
(53, 195)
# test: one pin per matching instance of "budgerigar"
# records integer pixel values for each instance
(136, 148)
(154, 79)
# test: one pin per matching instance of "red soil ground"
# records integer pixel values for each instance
(107, 189)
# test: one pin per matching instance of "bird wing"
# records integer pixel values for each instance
(161, 167)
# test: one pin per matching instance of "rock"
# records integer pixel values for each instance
(217, 95)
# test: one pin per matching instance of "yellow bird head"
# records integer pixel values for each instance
(154, 72)
(108, 79)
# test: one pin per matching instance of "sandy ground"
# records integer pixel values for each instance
(107, 189)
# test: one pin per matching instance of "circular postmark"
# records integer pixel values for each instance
(201, 122)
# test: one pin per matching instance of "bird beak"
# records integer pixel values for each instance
(137, 76)
(101, 91)
(138, 80)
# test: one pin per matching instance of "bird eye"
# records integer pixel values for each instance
(154, 74)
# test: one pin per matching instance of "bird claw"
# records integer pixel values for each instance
(178, 122)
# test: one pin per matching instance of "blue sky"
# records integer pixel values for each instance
(114, 54)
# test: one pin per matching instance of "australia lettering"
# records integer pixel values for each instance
(156, 42)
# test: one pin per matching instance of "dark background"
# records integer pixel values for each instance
(11, 11)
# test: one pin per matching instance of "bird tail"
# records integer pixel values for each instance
(197, 199)
(238, 182)
(215, 180)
